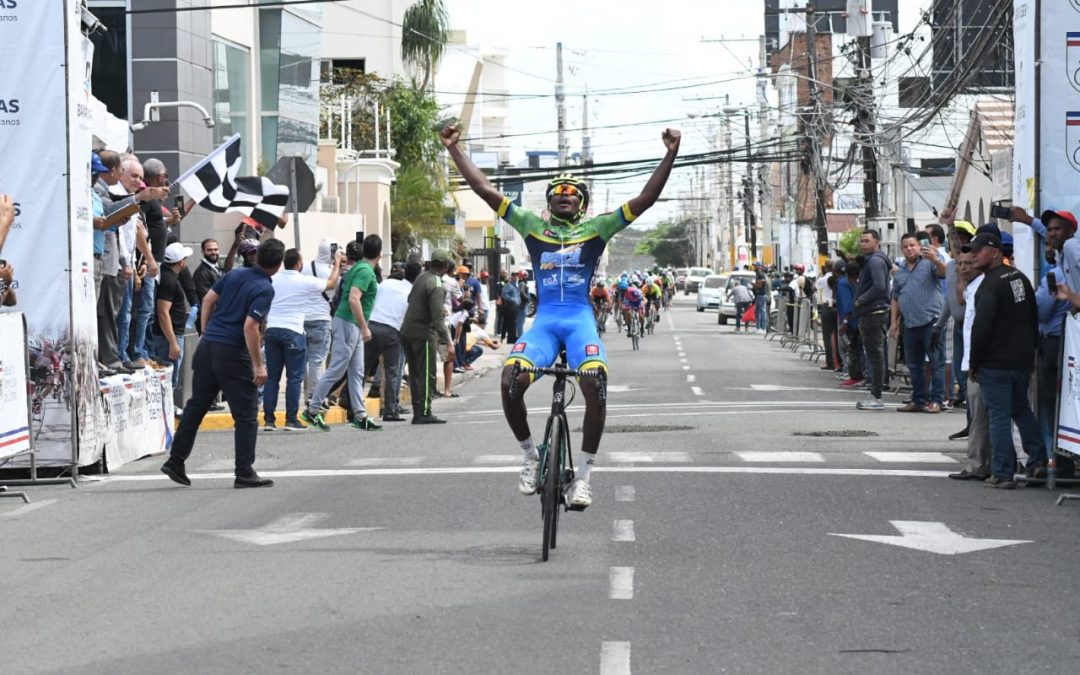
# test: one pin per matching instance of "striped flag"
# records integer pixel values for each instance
(214, 185)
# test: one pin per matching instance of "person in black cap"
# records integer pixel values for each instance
(1004, 337)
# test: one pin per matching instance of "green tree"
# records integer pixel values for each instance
(849, 243)
(668, 244)
(425, 29)
(417, 209)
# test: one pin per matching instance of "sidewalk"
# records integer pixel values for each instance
(491, 360)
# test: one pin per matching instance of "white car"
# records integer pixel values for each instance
(708, 296)
(727, 305)
(694, 278)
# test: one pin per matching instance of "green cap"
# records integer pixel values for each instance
(440, 255)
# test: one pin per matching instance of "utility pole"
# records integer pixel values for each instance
(767, 216)
(860, 26)
(729, 192)
(813, 142)
(586, 139)
(751, 219)
(560, 103)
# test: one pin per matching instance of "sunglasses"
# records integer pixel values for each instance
(565, 189)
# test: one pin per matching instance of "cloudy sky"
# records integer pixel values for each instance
(611, 45)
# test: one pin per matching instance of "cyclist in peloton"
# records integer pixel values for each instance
(652, 293)
(564, 251)
(633, 301)
(601, 299)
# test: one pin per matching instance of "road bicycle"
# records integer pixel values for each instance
(556, 460)
(633, 329)
(601, 315)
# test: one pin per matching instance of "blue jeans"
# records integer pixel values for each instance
(284, 349)
(160, 348)
(1005, 395)
(123, 322)
(761, 314)
(922, 344)
(144, 311)
(318, 345)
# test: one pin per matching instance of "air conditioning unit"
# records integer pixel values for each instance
(329, 204)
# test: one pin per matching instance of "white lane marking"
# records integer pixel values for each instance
(780, 457)
(696, 404)
(761, 388)
(465, 470)
(650, 457)
(286, 529)
(615, 658)
(697, 391)
(621, 583)
(691, 378)
(387, 461)
(684, 360)
(623, 531)
(625, 493)
(911, 457)
(620, 388)
(686, 367)
(497, 459)
(682, 353)
(27, 508)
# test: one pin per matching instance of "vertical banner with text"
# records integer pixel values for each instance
(1059, 105)
(50, 246)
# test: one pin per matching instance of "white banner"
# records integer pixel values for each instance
(43, 101)
(1059, 106)
(14, 410)
(1069, 401)
(136, 419)
(1022, 189)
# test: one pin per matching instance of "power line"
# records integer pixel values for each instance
(245, 5)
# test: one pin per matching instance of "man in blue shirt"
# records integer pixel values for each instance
(228, 360)
(1059, 228)
(848, 324)
(917, 300)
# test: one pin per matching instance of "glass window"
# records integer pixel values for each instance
(232, 86)
(290, 44)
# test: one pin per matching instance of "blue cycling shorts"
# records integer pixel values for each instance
(572, 328)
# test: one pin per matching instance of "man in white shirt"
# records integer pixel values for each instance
(318, 315)
(284, 342)
(827, 316)
(385, 324)
(978, 448)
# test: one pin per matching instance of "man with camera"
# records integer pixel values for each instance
(917, 301)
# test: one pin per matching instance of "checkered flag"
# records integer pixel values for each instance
(214, 185)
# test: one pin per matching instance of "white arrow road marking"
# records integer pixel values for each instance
(697, 391)
(623, 531)
(622, 583)
(288, 528)
(615, 658)
(933, 538)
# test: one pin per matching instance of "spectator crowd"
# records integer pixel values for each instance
(954, 285)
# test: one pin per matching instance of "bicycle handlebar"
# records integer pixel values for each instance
(557, 371)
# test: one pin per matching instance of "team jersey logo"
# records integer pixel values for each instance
(518, 348)
(592, 350)
(564, 257)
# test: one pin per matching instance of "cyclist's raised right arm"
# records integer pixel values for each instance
(469, 171)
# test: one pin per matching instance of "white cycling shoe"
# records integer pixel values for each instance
(530, 476)
(579, 495)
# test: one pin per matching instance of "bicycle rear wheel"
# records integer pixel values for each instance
(552, 470)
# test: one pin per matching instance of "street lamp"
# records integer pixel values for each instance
(152, 111)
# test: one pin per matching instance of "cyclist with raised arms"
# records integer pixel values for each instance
(565, 251)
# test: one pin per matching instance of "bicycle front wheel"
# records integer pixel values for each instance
(552, 469)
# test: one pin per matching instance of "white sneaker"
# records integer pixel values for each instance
(579, 494)
(530, 475)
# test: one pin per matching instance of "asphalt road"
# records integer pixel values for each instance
(709, 547)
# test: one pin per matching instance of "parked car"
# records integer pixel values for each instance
(708, 296)
(727, 305)
(680, 278)
(694, 278)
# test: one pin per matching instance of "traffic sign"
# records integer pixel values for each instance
(304, 190)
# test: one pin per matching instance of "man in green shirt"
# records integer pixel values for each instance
(424, 325)
(349, 332)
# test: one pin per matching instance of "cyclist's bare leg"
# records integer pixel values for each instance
(595, 415)
(514, 407)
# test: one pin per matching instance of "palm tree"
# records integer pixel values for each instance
(424, 32)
